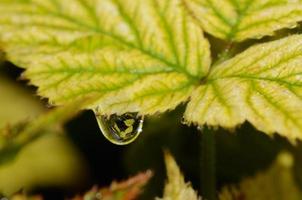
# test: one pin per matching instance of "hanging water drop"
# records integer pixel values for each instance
(120, 129)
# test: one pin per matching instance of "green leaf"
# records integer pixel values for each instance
(14, 137)
(278, 182)
(262, 85)
(49, 161)
(130, 55)
(176, 188)
(237, 20)
(16, 104)
(23, 148)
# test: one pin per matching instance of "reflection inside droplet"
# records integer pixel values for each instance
(120, 129)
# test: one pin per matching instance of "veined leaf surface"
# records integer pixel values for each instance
(131, 55)
(262, 85)
(237, 20)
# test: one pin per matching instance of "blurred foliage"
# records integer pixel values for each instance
(17, 104)
(275, 183)
(35, 153)
(129, 189)
(26, 197)
(176, 188)
(48, 161)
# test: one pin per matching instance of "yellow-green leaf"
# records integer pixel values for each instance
(237, 20)
(49, 161)
(278, 182)
(23, 147)
(176, 188)
(262, 85)
(22, 133)
(16, 104)
(130, 55)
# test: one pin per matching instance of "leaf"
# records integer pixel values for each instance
(16, 104)
(238, 20)
(23, 147)
(262, 85)
(176, 188)
(19, 134)
(278, 182)
(14, 137)
(126, 190)
(49, 161)
(131, 55)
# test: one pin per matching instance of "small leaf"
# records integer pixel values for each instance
(262, 85)
(278, 182)
(176, 188)
(244, 19)
(131, 55)
(126, 190)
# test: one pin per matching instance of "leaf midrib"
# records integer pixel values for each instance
(95, 70)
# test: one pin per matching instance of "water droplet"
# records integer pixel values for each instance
(120, 129)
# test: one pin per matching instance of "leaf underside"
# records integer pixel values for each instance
(262, 85)
(141, 56)
(238, 20)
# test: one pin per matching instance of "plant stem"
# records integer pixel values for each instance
(225, 54)
(208, 164)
